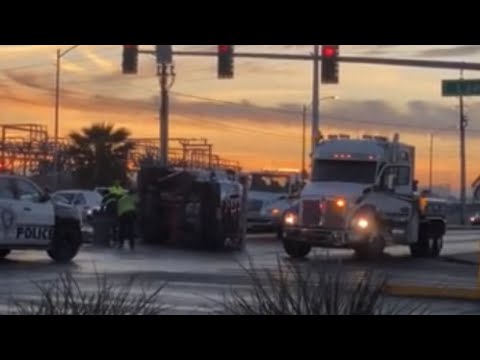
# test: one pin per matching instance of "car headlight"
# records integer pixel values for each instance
(291, 219)
(341, 203)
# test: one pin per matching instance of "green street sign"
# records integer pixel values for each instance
(461, 87)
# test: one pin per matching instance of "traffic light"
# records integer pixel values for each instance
(130, 59)
(225, 61)
(330, 55)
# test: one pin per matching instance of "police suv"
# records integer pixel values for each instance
(31, 220)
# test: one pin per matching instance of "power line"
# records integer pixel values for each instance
(253, 107)
(45, 64)
(278, 110)
(238, 128)
(344, 120)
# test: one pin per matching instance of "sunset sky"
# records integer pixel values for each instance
(405, 100)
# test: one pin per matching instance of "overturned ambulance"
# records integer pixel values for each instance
(199, 208)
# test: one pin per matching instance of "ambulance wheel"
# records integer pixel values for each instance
(4, 253)
(296, 249)
(66, 243)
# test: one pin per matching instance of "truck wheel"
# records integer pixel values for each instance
(435, 246)
(66, 243)
(296, 249)
(4, 253)
(371, 250)
(427, 247)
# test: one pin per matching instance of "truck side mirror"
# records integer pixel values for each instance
(415, 186)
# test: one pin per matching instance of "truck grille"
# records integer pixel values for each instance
(322, 213)
(334, 216)
(311, 213)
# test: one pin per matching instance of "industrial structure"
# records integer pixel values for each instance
(27, 149)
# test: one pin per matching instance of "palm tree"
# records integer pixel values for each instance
(100, 154)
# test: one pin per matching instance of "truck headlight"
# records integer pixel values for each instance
(275, 212)
(362, 223)
(291, 219)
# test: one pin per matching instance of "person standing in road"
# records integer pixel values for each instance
(127, 215)
(110, 212)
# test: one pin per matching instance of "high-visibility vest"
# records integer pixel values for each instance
(116, 190)
(127, 203)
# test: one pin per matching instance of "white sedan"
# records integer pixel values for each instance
(85, 201)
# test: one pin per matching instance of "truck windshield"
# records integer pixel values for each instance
(359, 172)
(270, 183)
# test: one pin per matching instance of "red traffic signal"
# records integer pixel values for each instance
(330, 65)
(329, 51)
(130, 59)
(226, 61)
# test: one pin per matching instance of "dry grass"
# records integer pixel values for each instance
(295, 290)
(65, 296)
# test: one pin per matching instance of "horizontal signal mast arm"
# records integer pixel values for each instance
(454, 65)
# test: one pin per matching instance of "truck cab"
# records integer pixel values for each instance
(270, 194)
(363, 196)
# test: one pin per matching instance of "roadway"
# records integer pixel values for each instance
(197, 281)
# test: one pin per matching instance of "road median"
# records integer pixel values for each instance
(462, 227)
(471, 258)
(433, 292)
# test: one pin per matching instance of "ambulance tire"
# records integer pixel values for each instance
(4, 253)
(66, 243)
(296, 249)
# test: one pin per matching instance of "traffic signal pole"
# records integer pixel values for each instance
(164, 112)
(463, 166)
(315, 99)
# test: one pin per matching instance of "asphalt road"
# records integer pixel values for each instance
(197, 281)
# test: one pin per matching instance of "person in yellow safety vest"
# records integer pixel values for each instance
(116, 189)
(127, 214)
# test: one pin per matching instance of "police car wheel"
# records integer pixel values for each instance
(296, 249)
(66, 244)
(4, 253)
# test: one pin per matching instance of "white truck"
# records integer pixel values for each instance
(269, 195)
(30, 220)
(363, 196)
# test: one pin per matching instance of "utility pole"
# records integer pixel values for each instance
(304, 142)
(463, 169)
(56, 159)
(431, 163)
(57, 116)
(165, 72)
(316, 98)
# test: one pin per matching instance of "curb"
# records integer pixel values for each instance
(460, 261)
(433, 292)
